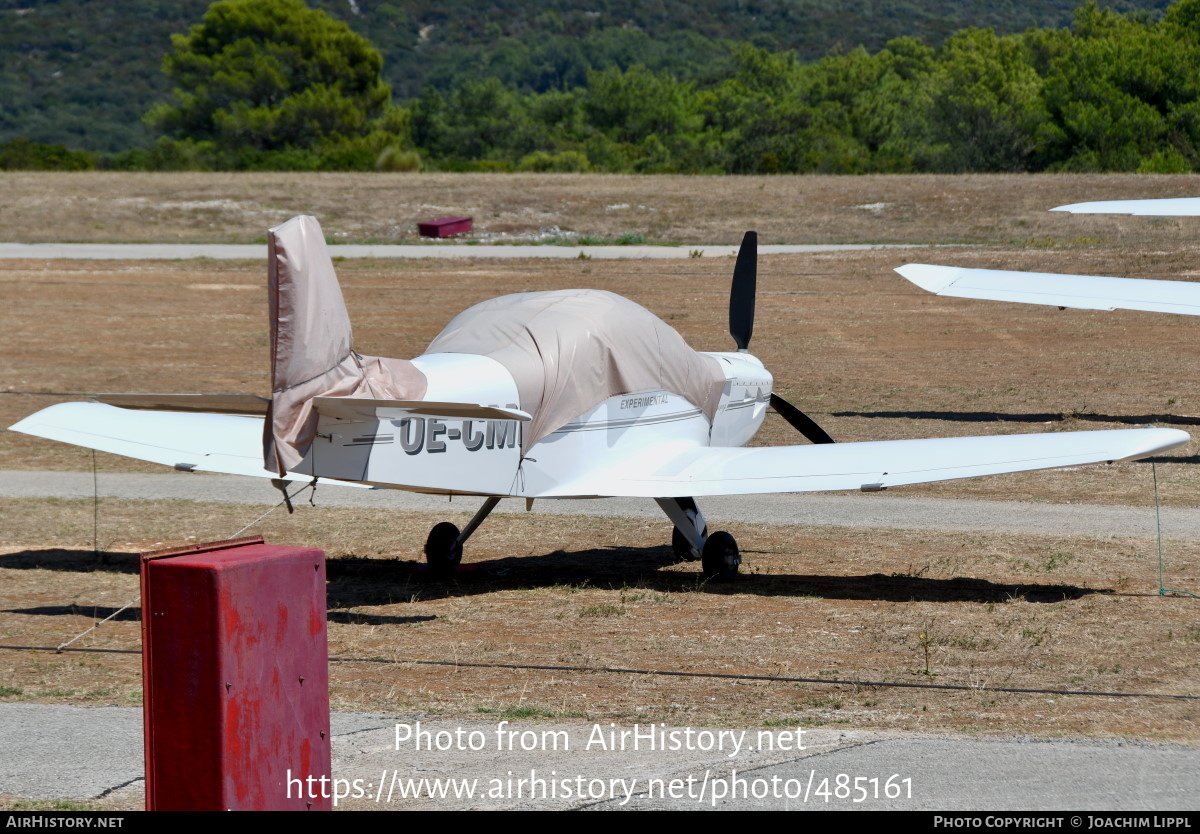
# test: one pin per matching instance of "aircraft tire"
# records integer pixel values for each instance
(442, 550)
(721, 557)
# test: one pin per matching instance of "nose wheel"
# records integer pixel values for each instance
(720, 558)
(443, 550)
(444, 546)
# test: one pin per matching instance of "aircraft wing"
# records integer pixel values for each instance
(232, 444)
(1171, 207)
(186, 440)
(1085, 292)
(699, 471)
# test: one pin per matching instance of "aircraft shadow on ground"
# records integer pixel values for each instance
(78, 561)
(379, 581)
(1038, 417)
(134, 614)
(357, 581)
(96, 612)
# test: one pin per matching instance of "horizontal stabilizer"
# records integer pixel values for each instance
(206, 403)
(190, 441)
(1085, 292)
(357, 408)
(1171, 207)
(870, 466)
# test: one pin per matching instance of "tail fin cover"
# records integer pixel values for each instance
(312, 346)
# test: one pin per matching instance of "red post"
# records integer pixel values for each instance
(235, 665)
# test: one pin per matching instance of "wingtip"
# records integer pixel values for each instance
(1161, 440)
(929, 277)
(1103, 207)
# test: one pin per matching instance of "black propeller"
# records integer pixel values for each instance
(800, 421)
(741, 294)
(741, 328)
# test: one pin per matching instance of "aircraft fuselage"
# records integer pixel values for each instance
(433, 454)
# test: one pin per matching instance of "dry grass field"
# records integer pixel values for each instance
(829, 613)
(385, 208)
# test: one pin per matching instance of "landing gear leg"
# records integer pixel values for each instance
(444, 547)
(691, 530)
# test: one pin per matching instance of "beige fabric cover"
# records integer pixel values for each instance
(312, 353)
(569, 350)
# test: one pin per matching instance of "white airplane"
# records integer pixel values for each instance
(566, 394)
(1085, 292)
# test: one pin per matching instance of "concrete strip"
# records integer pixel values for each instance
(258, 252)
(82, 753)
(947, 774)
(888, 510)
(64, 752)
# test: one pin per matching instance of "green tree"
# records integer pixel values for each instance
(759, 112)
(270, 75)
(480, 120)
(987, 104)
(633, 104)
(1124, 96)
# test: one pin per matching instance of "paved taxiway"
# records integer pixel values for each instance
(889, 510)
(252, 251)
(85, 753)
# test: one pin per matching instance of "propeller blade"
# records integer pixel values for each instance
(741, 294)
(800, 421)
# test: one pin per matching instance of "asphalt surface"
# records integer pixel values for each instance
(251, 251)
(89, 753)
(889, 510)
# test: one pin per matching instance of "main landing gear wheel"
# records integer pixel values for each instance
(681, 546)
(442, 549)
(721, 557)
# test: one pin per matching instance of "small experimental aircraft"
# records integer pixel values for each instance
(1085, 292)
(564, 394)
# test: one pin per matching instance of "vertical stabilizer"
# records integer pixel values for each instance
(310, 328)
(312, 347)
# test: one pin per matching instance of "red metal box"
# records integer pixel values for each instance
(236, 677)
(445, 227)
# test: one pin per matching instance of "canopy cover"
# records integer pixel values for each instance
(569, 350)
(312, 350)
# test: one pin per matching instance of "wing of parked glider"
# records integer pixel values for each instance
(1169, 207)
(1085, 292)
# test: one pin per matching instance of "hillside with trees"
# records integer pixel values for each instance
(82, 74)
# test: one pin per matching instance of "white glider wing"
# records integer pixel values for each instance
(1084, 292)
(1171, 207)
(699, 471)
(186, 440)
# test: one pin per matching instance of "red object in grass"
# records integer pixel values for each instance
(445, 227)
(236, 678)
